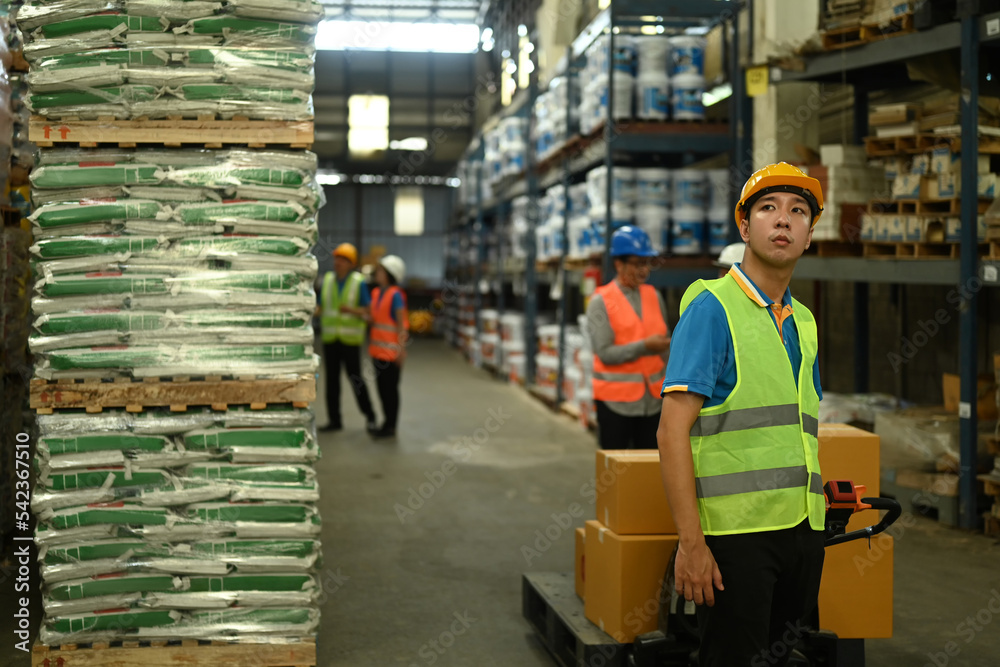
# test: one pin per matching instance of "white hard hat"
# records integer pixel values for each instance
(395, 267)
(731, 254)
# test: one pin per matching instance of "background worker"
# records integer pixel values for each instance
(737, 435)
(627, 324)
(389, 334)
(344, 309)
(730, 255)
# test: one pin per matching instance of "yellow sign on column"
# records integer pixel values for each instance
(757, 80)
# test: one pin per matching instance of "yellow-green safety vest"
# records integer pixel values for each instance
(756, 455)
(337, 326)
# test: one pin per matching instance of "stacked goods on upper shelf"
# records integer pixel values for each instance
(551, 131)
(550, 242)
(684, 211)
(921, 203)
(839, 14)
(888, 16)
(656, 77)
(158, 526)
(100, 58)
(174, 262)
(848, 184)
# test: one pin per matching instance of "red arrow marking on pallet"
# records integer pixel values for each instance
(60, 662)
(47, 130)
(63, 131)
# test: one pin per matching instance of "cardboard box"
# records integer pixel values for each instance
(892, 114)
(835, 155)
(580, 560)
(855, 597)
(986, 388)
(953, 229)
(630, 495)
(869, 222)
(921, 164)
(911, 186)
(623, 580)
(896, 225)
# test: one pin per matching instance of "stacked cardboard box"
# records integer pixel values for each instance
(848, 183)
(622, 555)
(628, 546)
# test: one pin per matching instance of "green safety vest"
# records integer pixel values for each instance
(756, 455)
(337, 326)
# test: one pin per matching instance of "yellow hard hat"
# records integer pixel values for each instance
(781, 177)
(347, 251)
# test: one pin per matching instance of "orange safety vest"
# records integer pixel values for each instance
(626, 383)
(384, 332)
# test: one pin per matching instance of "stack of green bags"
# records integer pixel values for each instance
(159, 58)
(193, 525)
(174, 262)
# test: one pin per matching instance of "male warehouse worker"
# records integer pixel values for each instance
(627, 324)
(737, 434)
(344, 308)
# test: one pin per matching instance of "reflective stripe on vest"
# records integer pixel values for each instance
(629, 382)
(385, 343)
(337, 326)
(756, 456)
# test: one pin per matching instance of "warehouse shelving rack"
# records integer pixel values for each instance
(680, 142)
(877, 65)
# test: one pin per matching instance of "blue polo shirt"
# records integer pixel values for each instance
(702, 357)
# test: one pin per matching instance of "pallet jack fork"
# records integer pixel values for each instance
(675, 644)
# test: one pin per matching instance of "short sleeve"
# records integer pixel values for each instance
(364, 295)
(819, 391)
(699, 347)
(398, 303)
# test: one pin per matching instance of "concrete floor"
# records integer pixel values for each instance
(415, 580)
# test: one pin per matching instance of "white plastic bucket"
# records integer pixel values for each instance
(652, 186)
(718, 190)
(624, 55)
(654, 219)
(624, 87)
(488, 319)
(686, 99)
(548, 338)
(512, 328)
(718, 230)
(623, 185)
(687, 55)
(689, 189)
(688, 230)
(652, 54)
(579, 236)
(652, 96)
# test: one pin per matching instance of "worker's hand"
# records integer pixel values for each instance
(316, 311)
(657, 344)
(696, 575)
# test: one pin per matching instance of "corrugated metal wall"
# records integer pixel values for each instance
(424, 255)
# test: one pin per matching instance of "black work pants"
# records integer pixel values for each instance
(336, 355)
(615, 431)
(771, 582)
(387, 374)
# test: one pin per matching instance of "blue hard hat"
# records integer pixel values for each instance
(630, 240)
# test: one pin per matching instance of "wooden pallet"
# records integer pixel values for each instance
(911, 250)
(901, 25)
(940, 208)
(177, 393)
(550, 605)
(843, 38)
(916, 501)
(172, 132)
(177, 653)
(836, 249)
(991, 525)
(924, 142)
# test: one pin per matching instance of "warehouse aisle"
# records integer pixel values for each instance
(436, 579)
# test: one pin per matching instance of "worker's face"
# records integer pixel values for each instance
(779, 229)
(633, 271)
(381, 277)
(341, 266)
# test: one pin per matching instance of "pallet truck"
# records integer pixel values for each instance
(675, 643)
